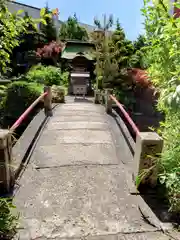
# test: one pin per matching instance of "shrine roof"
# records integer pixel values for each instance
(76, 48)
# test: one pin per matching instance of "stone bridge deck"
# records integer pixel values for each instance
(75, 186)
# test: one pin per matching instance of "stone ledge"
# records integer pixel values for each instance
(22, 146)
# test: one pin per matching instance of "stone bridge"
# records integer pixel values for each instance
(76, 178)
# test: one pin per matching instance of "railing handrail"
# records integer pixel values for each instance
(27, 111)
(126, 115)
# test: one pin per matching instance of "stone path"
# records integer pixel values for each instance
(75, 185)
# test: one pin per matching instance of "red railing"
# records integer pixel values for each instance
(28, 110)
(126, 115)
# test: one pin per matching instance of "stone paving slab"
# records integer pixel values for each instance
(77, 201)
(81, 118)
(76, 136)
(56, 125)
(74, 154)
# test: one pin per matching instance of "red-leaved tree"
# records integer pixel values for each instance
(50, 53)
(140, 77)
(143, 87)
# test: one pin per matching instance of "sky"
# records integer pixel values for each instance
(128, 11)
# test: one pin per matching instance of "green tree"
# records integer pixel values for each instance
(113, 52)
(138, 58)
(28, 40)
(102, 55)
(48, 30)
(140, 42)
(11, 27)
(121, 48)
(30, 37)
(162, 50)
(72, 30)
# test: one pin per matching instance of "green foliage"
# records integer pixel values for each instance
(24, 53)
(19, 96)
(170, 159)
(45, 75)
(65, 79)
(162, 52)
(28, 38)
(112, 59)
(139, 43)
(138, 58)
(48, 29)
(8, 220)
(120, 47)
(2, 91)
(12, 26)
(48, 76)
(72, 30)
(125, 95)
(103, 69)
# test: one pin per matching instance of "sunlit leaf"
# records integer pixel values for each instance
(43, 21)
(42, 12)
(19, 12)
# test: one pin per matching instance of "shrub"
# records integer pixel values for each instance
(48, 76)
(65, 79)
(2, 91)
(170, 159)
(45, 75)
(19, 96)
(8, 220)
